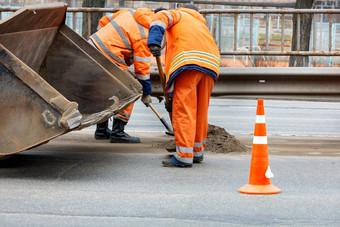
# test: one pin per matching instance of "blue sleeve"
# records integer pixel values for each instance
(146, 86)
(155, 35)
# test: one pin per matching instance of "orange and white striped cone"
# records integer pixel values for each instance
(260, 174)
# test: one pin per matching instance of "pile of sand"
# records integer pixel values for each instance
(218, 140)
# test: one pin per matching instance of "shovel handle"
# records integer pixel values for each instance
(160, 118)
(162, 77)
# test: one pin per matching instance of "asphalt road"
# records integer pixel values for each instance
(237, 116)
(75, 180)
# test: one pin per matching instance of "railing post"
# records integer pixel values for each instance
(88, 24)
(74, 18)
(267, 32)
(298, 23)
(235, 30)
(219, 32)
(251, 33)
(314, 32)
(330, 31)
(282, 31)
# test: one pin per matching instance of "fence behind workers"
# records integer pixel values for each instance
(258, 38)
(237, 28)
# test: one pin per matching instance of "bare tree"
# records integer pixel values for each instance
(95, 17)
(305, 31)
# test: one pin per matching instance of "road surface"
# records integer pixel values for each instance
(75, 180)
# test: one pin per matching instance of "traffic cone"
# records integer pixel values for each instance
(260, 174)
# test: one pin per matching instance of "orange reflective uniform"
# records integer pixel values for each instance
(192, 63)
(104, 21)
(123, 38)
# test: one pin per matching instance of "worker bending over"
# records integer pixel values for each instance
(122, 37)
(192, 63)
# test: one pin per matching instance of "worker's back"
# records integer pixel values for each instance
(190, 42)
(118, 38)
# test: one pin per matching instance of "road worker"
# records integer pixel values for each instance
(122, 37)
(192, 63)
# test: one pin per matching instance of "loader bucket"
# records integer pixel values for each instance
(52, 81)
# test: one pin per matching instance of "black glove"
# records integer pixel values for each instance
(168, 106)
(155, 50)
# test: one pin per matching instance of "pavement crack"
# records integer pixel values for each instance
(63, 171)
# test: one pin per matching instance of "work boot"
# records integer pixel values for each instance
(168, 163)
(173, 162)
(198, 159)
(102, 132)
(118, 135)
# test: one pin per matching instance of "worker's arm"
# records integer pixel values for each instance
(162, 21)
(141, 60)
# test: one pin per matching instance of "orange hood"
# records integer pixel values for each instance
(144, 16)
(193, 13)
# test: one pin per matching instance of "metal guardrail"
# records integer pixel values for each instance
(304, 82)
(236, 13)
(282, 13)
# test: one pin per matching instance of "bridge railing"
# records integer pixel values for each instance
(284, 17)
(218, 26)
(315, 82)
(223, 22)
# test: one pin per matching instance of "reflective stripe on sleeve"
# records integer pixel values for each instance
(106, 50)
(143, 77)
(171, 19)
(141, 59)
(158, 23)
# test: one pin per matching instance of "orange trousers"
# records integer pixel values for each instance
(192, 90)
(125, 114)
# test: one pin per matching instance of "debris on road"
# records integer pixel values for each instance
(218, 141)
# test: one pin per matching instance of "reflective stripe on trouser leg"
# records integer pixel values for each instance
(184, 154)
(125, 114)
(184, 115)
(199, 148)
(204, 88)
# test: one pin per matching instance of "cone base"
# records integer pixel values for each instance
(259, 189)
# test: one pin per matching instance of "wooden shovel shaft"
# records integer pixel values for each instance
(162, 78)
(160, 117)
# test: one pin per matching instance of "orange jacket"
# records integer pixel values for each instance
(123, 39)
(190, 44)
(104, 21)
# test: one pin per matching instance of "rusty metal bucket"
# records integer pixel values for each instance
(52, 81)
